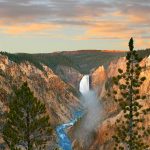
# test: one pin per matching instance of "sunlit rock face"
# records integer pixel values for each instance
(59, 97)
(101, 74)
(111, 113)
(121, 63)
(115, 65)
(145, 87)
(3, 62)
(98, 78)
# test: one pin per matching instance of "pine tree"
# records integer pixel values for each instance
(27, 124)
(130, 129)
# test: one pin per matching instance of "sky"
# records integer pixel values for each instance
(37, 26)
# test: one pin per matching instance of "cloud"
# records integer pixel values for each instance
(28, 28)
(100, 19)
(51, 10)
(136, 11)
(142, 43)
(111, 30)
(10, 11)
(32, 14)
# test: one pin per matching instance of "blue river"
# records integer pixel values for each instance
(63, 140)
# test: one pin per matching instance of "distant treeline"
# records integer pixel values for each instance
(83, 61)
(36, 59)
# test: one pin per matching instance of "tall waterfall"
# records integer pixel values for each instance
(84, 85)
(64, 141)
(92, 110)
(90, 119)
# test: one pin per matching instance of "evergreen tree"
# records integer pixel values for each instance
(130, 129)
(27, 124)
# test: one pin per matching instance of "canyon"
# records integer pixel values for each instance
(60, 98)
(57, 84)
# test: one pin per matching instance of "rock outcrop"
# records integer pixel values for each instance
(106, 129)
(98, 78)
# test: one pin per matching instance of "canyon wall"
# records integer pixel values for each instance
(98, 78)
(69, 75)
(111, 113)
(59, 97)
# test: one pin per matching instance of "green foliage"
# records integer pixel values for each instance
(27, 124)
(51, 60)
(83, 61)
(131, 45)
(130, 130)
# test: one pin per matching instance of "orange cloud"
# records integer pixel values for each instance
(141, 43)
(111, 30)
(133, 16)
(25, 28)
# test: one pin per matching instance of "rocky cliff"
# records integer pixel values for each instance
(106, 129)
(98, 77)
(60, 98)
(69, 75)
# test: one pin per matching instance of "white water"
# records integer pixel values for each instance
(92, 109)
(84, 85)
(64, 141)
(88, 123)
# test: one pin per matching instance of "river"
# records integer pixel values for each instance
(64, 141)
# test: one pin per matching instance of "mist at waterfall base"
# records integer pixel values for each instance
(92, 109)
(91, 117)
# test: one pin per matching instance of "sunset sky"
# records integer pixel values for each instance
(35, 26)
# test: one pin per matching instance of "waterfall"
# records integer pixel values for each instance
(64, 141)
(84, 85)
(90, 119)
(92, 109)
